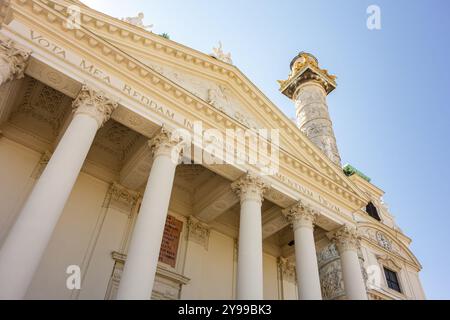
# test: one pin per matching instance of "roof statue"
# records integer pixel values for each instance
(220, 55)
(138, 21)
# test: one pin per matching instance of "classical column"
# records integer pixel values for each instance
(143, 254)
(302, 220)
(22, 251)
(250, 189)
(347, 243)
(308, 86)
(13, 60)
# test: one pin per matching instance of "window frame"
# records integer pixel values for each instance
(395, 283)
(374, 213)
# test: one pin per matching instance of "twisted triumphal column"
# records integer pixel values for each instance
(308, 86)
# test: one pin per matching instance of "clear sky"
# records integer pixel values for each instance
(391, 108)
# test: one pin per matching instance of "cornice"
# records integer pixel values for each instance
(130, 67)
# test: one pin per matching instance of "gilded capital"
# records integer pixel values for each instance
(13, 60)
(305, 68)
(346, 238)
(164, 143)
(250, 187)
(300, 215)
(94, 104)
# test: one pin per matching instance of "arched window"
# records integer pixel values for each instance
(372, 211)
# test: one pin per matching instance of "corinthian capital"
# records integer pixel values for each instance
(166, 144)
(346, 238)
(300, 215)
(250, 187)
(94, 104)
(13, 60)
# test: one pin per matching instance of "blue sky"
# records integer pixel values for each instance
(390, 110)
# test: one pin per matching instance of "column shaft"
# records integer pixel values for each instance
(21, 253)
(22, 250)
(308, 281)
(347, 242)
(143, 254)
(250, 260)
(306, 262)
(355, 288)
(250, 189)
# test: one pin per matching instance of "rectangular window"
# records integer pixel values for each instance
(392, 280)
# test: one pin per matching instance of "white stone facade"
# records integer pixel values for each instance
(88, 176)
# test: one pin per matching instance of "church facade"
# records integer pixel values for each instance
(133, 167)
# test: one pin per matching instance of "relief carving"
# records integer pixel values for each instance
(13, 60)
(330, 272)
(287, 270)
(217, 95)
(198, 232)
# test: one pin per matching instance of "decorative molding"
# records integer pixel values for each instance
(300, 215)
(122, 198)
(44, 104)
(95, 104)
(13, 60)
(389, 262)
(198, 232)
(287, 270)
(384, 241)
(116, 139)
(388, 243)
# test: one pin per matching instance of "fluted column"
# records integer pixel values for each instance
(347, 243)
(13, 60)
(251, 190)
(302, 219)
(143, 254)
(22, 251)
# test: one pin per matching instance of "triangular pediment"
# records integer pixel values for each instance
(199, 79)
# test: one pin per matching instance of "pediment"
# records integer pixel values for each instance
(385, 239)
(220, 84)
(132, 50)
